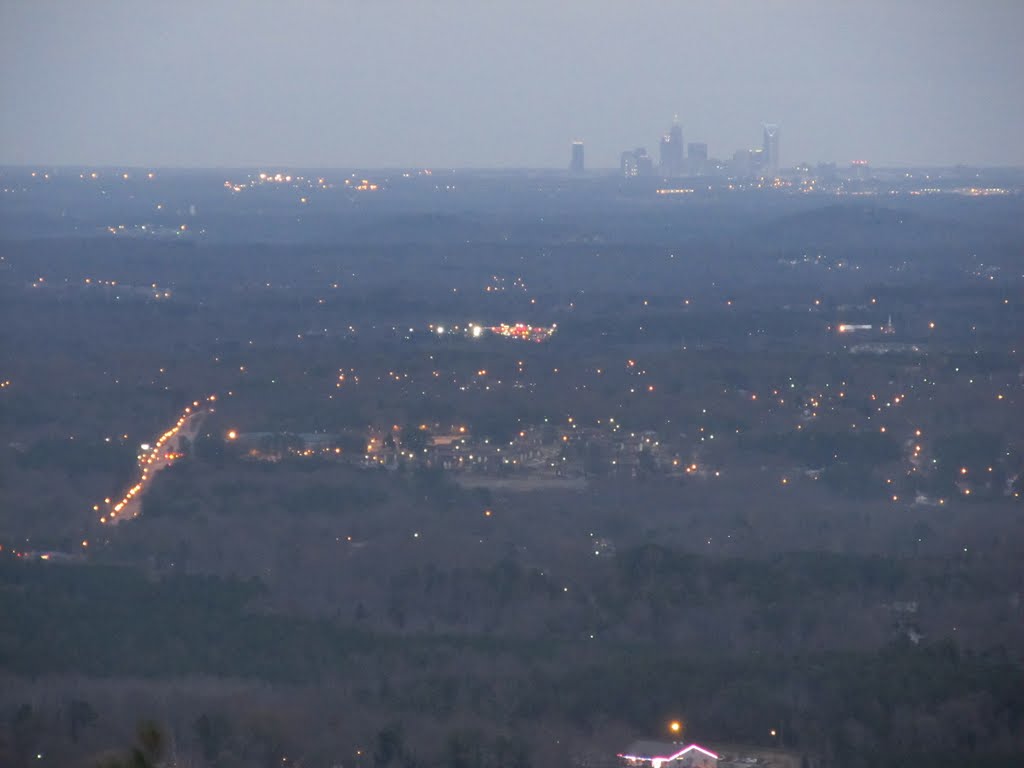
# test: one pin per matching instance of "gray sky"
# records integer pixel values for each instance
(491, 83)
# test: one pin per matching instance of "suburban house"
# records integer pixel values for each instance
(659, 754)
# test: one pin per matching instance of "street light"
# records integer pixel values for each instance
(675, 727)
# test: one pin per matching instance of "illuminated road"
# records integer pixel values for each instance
(154, 457)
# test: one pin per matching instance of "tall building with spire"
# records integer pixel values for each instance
(770, 148)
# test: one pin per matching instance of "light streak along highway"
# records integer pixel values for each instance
(152, 461)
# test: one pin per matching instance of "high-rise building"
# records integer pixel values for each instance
(770, 148)
(576, 163)
(664, 155)
(636, 162)
(697, 158)
(860, 170)
(670, 152)
(746, 162)
(827, 172)
(627, 165)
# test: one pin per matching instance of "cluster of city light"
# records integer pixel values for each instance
(520, 331)
(524, 332)
(121, 229)
(95, 175)
(276, 178)
(473, 330)
(981, 192)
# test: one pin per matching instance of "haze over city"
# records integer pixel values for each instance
(464, 84)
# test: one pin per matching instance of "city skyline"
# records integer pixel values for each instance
(676, 158)
(229, 84)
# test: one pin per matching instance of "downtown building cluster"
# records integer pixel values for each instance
(678, 159)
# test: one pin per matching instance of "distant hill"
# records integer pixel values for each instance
(857, 225)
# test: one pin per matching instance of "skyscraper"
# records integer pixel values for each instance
(576, 163)
(770, 148)
(697, 157)
(636, 162)
(670, 152)
(860, 170)
(628, 165)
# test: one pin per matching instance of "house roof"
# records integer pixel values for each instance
(662, 750)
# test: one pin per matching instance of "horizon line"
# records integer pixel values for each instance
(889, 165)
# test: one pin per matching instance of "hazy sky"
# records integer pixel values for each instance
(494, 83)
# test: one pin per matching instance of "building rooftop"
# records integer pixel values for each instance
(661, 750)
